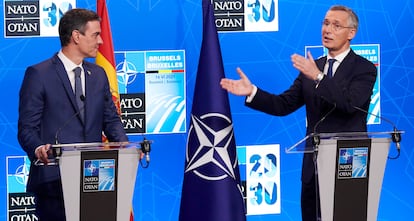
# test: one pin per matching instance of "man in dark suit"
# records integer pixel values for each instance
(50, 113)
(350, 86)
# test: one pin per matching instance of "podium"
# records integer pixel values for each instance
(349, 168)
(98, 179)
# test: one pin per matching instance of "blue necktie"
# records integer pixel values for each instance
(331, 62)
(78, 92)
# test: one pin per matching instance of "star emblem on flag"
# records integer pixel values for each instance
(212, 150)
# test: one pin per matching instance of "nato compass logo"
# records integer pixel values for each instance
(130, 71)
(18, 173)
(21, 204)
(207, 153)
(126, 73)
(246, 15)
(99, 175)
(352, 163)
(34, 17)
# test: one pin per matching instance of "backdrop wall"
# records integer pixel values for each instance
(265, 57)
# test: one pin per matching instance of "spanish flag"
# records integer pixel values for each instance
(106, 60)
(105, 57)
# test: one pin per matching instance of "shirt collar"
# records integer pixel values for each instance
(67, 63)
(340, 57)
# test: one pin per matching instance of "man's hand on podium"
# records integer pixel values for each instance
(42, 153)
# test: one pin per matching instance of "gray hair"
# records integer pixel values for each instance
(353, 20)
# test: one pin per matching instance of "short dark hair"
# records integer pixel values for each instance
(75, 19)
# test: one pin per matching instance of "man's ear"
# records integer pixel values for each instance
(75, 36)
(351, 34)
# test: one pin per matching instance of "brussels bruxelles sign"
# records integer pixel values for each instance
(152, 91)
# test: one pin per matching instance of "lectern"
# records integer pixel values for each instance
(350, 169)
(98, 179)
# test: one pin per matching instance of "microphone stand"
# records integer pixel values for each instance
(316, 142)
(395, 135)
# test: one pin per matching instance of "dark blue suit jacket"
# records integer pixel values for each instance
(351, 86)
(48, 111)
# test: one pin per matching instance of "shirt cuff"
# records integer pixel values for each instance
(250, 97)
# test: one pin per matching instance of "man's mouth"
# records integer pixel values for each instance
(326, 38)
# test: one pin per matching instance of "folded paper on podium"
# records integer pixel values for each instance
(98, 179)
(350, 169)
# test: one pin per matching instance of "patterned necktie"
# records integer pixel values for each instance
(331, 62)
(79, 93)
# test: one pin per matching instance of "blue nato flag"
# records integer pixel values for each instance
(211, 187)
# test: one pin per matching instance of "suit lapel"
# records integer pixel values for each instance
(346, 64)
(61, 72)
(89, 88)
(63, 75)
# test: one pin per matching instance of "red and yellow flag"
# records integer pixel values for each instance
(106, 60)
(105, 57)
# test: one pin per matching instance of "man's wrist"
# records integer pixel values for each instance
(250, 97)
(319, 77)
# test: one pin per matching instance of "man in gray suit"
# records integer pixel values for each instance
(336, 91)
(50, 112)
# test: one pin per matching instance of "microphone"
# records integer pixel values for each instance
(56, 152)
(395, 135)
(82, 97)
(316, 139)
(146, 149)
